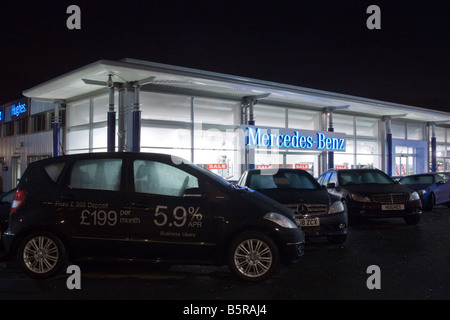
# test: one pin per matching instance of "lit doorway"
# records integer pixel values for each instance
(16, 170)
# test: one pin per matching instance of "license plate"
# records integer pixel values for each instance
(310, 222)
(393, 207)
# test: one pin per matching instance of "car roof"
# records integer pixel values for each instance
(352, 170)
(276, 170)
(101, 155)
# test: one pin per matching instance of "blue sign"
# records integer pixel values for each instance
(18, 109)
(282, 138)
(14, 111)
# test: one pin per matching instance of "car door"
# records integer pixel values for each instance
(90, 207)
(442, 189)
(172, 214)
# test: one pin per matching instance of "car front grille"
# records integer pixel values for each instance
(391, 198)
(302, 209)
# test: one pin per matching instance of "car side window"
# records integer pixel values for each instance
(97, 174)
(333, 178)
(324, 179)
(54, 170)
(159, 178)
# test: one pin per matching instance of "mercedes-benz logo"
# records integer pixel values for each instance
(302, 209)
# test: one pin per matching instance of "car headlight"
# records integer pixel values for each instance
(360, 198)
(422, 192)
(336, 207)
(281, 220)
(414, 196)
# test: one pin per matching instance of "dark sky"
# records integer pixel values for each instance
(323, 45)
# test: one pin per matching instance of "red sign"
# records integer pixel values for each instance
(216, 166)
(341, 166)
(263, 166)
(304, 166)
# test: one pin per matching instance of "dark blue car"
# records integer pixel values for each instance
(433, 188)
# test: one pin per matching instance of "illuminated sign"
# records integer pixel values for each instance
(215, 166)
(264, 166)
(304, 166)
(283, 138)
(15, 110)
(18, 109)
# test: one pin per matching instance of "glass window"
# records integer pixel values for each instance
(269, 116)
(78, 113)
(53, 170)
(366, 127)
(398, 130)
(343, 124)
(78, 139)
(100, 137)
(157, 106)
(414, 131)
(324, 178)
(333, 178)
(216, 111)
(214, 138)
(301, 119)
(440, 134)
(165, 137)
(101, 108)
(162, 179)
(366, 147)
(98, 174)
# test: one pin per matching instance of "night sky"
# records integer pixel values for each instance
(322, 45)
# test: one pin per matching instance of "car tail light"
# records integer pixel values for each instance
(19, 198)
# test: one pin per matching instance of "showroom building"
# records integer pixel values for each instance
(222, 122)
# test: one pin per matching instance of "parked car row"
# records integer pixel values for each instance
(141, 206)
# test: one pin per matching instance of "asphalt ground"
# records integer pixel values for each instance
(411, 263)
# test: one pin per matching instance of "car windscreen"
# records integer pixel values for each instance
(284, 180)
(428, 179)
(363, 177)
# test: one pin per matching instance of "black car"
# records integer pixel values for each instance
(142, 206)
(5, 207)
(320, 213)
(371, 193)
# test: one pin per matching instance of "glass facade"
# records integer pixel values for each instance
(206, 131)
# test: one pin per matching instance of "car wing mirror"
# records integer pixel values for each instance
(331, 185)
(441, 182)
(194, 193)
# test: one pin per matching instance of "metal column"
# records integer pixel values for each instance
(136, 143)
(56, 130)
(111, 118)
(433, 148)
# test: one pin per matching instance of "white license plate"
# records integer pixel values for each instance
(310, 222)
(393, 207)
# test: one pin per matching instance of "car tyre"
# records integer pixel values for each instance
(430, 202)
(42, 255)
(412, 220)
(253, 256)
